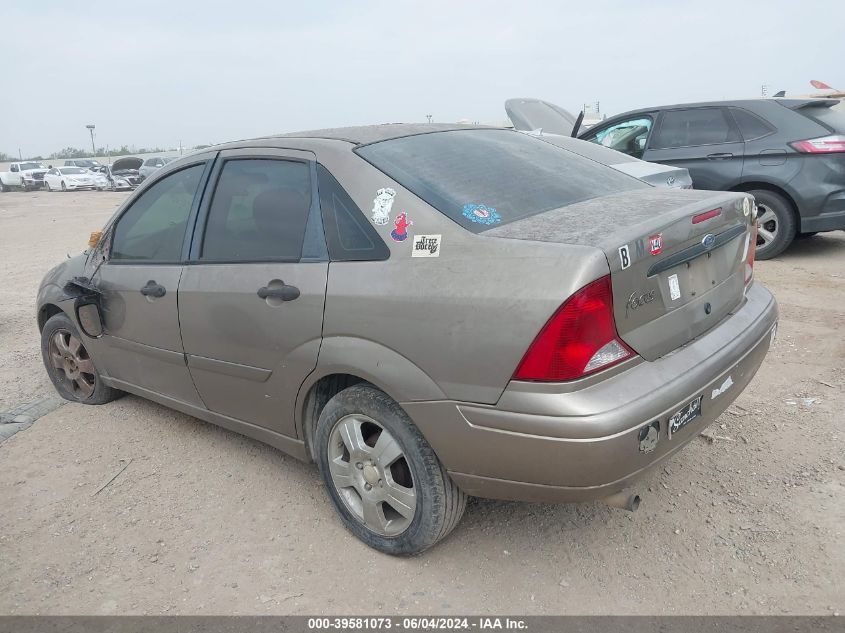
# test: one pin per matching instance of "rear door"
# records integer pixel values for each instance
(704, 140)
(251, 297)
(140, 279)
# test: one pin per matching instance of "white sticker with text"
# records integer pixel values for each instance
(426, 246)
(725, 386)
(674, 287)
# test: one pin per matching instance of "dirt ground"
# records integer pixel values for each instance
(203, 521)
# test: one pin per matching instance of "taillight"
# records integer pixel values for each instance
(578, 340)
(824, 145)
(752, 252)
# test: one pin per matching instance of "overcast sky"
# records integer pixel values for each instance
(156, 73)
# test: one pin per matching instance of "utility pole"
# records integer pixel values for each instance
(20, 156)
(93, 149)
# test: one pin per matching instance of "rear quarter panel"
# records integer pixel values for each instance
(462, 319)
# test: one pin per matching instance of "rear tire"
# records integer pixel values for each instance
(70, 367)
(3, 188)
(373, 460)
(776, 223)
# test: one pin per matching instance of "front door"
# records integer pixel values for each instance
(140, 280)
(251, 298)
(704, 140)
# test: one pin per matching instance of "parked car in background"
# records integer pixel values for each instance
(151, 165)
(85, 163)
(788, 153)
(127, 168)
(24, 175)
(556, 125)
(69, 179)
(111, 181)
(426, 311)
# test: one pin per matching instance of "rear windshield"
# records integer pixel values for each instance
(831, 117)
(484, 178)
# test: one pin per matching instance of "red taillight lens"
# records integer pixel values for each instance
(752, 252)
(824, 145)
(707, 215)
(579, 339)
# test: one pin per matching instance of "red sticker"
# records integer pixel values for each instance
(655, 243)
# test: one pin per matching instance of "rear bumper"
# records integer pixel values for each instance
(565, 443)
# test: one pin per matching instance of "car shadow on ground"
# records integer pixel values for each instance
(818, 246)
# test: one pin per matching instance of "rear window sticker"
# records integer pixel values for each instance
(426, 246)
(382, 204)
(400, 233)
(481, 214)
(624, 256)
(674, 287)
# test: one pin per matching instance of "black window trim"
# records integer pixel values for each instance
(772, 129)
(728, 119)
(197, 231)
(327, 215)
(110, 229)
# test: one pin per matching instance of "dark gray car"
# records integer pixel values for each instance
(788, 153)
(428, 312)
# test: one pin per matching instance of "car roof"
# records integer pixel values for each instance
(789, 103)
(357, 135)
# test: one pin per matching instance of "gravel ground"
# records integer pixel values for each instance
(202, 521)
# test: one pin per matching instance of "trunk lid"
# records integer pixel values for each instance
(674, 274)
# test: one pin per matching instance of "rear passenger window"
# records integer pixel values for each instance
(699, 126)
(259, 211)
(751, 126)
(349, 235)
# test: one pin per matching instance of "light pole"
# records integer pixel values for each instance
(93, 149)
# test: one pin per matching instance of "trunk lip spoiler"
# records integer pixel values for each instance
(696, 250)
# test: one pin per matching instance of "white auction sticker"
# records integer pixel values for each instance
(426, 246)
(674, 287)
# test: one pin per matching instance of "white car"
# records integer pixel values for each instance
(69, 179)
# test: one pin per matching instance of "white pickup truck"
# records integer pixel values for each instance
(25, 175)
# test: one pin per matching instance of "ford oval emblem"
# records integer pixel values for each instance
(708, 241)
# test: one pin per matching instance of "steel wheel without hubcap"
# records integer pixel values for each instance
(73, 365)
(767, 226)
(371, 475)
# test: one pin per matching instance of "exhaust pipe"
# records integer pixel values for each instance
(625, 500)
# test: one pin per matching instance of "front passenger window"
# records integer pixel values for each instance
(153, 228)
(628, 137)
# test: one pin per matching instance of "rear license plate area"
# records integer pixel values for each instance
(684, 416)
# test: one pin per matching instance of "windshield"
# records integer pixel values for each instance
(484, 178)
(73, 170)
(25, 166)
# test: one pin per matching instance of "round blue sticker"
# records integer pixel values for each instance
(481, 214)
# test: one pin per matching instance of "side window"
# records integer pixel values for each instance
(751, 126)
(13, 168)
(349, 234)
(153, 228)
(148, 162)
(259, 211)
(628, 137)
(699, 126)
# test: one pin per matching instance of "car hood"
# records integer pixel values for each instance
(30, 172)
(529, 114)
(130, 162)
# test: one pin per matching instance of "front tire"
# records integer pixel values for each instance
(64, 186)
(70, 367)
(776, 223)
(47, 186)
(384, 479)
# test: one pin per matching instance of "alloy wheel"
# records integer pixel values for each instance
(767, 226)
(371, 474)
(72, 363)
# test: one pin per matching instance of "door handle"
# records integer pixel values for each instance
(152, 289)
(283, 292)
(721, 156)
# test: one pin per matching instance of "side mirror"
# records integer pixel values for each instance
(88, 316)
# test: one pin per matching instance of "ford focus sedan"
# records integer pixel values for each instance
(426, 312)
